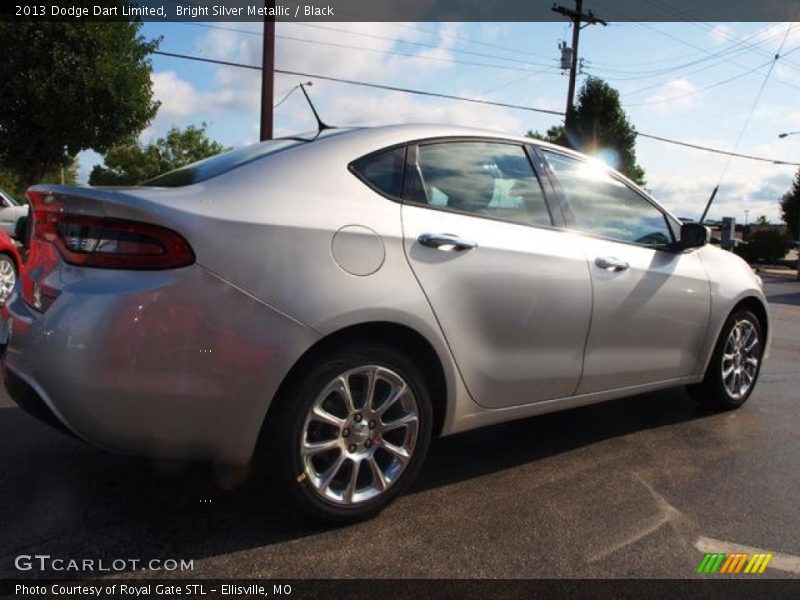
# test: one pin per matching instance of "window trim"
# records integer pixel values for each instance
(411, 156)
(570, 224)
(351, 166)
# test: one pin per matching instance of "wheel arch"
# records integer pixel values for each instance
(415, 345)
(757, 307)
(13, 258)
(749, 302)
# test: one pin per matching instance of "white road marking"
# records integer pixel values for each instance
(782, 562)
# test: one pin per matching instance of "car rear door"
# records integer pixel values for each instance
(651, 305)
(511, 292)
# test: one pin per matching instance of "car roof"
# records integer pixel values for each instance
(387, 135)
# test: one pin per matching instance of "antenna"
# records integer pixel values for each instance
(321, 125)
(710, 200)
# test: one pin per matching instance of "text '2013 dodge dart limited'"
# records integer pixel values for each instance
(332, 303)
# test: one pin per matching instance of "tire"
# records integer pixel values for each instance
(302, 415)
(8, 276)
(719, 390)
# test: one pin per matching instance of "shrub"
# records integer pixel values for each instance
(765, 246)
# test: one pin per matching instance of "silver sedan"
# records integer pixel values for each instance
(331, 303)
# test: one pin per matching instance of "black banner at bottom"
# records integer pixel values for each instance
(399, 589)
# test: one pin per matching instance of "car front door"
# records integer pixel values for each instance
(651, 304)
(511, 292)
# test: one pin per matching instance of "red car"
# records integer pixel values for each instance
(10, 262)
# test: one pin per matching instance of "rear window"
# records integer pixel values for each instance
(221, 163)
(383, 171)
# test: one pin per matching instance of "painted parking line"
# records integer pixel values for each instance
(783, 562)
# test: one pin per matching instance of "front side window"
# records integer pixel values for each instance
(602, 205)
(488, 179)
(383, 171)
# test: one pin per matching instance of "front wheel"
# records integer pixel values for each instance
(735, 365)
(352, 435)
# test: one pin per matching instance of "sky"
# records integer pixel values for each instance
(696, 82)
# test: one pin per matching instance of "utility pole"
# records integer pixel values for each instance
(268, 74)
(577, 17)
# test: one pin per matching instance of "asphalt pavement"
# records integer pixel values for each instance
(640, 487)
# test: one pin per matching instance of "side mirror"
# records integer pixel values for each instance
(693, 235)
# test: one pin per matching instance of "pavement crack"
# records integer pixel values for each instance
(666, 514)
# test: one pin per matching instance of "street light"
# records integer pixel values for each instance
(783, 135)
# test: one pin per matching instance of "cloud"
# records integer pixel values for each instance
(421, 66)
(721, 33)
(177, 97)
(674, 95)
(746, 185)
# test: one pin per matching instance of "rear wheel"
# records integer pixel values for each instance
(352, 435)
(8, 276)
(735, 365)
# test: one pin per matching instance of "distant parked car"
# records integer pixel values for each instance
(10, 212)
(341, 300)
(9, 265)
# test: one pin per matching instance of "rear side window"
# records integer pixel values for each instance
(221, 163)
(488, 179)
(383, 171)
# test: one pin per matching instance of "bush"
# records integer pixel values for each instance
(765, 246)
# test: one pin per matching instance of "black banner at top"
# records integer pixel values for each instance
(397, 10)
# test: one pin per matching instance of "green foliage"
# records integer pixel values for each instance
(554, 135)
(12, 183)
(68, 87)
(790, 208)
(131, 162)
(765, 245)
(598, 123)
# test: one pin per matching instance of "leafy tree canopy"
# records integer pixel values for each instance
(68, 87)
(598, 126)
(790, 207)
(131, 162)
(12, 183)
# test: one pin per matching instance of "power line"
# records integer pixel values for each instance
(691, 45)
(390, 88)
(755, 102)
(371, 36)
(463, 99)
(407, 55)
(708, 87)
(717, 150)
(682, 14)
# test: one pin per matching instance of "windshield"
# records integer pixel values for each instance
(12, 199)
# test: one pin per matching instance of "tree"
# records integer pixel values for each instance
(131, 162)
(790, 208)
(554, 135)
(765, 244)
(12, 183)
(68, 87)
(598, 124)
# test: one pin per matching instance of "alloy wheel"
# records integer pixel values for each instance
(8, 277)
(740, 359)
(359, 435)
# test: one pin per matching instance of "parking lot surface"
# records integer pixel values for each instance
(640, 487)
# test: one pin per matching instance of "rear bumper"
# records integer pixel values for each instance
(169, 364)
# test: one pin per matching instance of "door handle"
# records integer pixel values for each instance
(610, 263)
(446, 242)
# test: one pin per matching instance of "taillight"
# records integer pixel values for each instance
(98, 242)
(107, 243)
